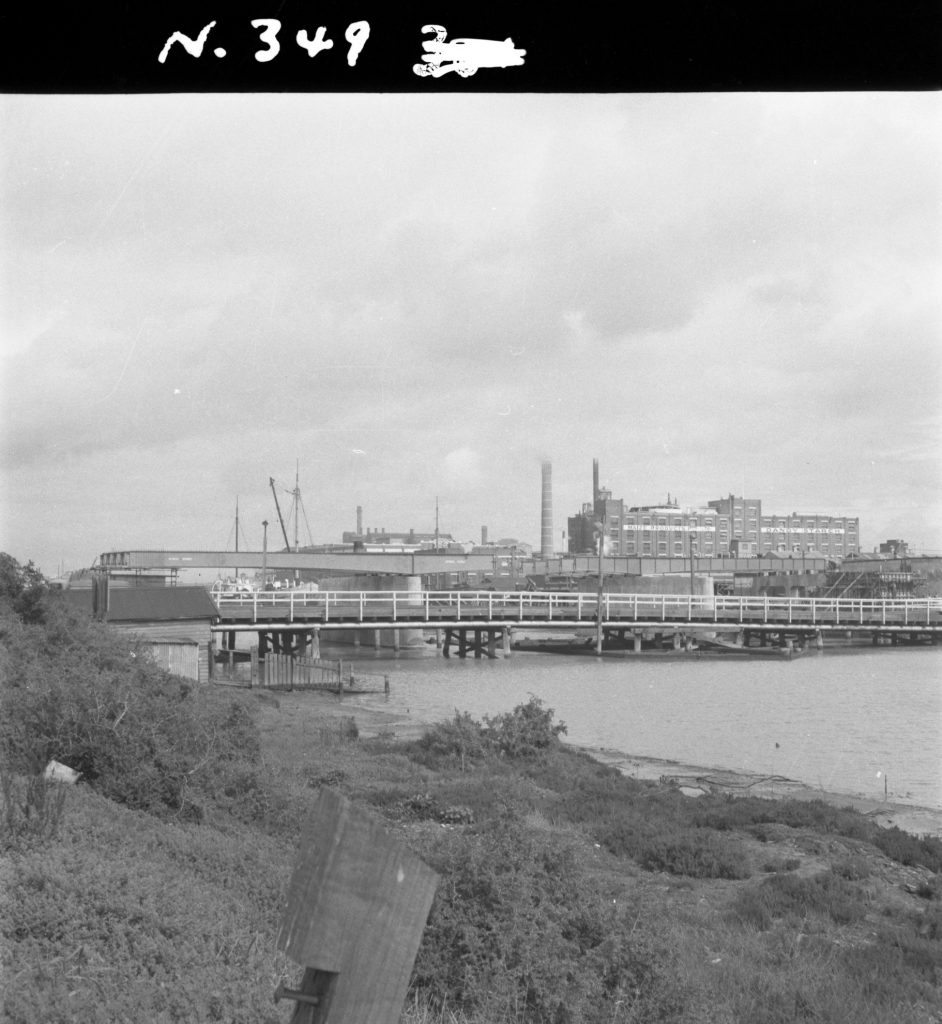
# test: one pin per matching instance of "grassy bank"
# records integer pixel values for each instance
(152, 890)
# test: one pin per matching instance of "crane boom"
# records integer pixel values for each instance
(284, 532)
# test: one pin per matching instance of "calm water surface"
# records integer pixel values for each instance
(841, 719)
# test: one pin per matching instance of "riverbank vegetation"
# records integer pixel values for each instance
(153, 889)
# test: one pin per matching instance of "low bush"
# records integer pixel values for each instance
(32, 810)
(83, 694)
(826, 895)
(517, 931)
(524, 733)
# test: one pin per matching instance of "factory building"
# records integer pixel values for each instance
(732, 526)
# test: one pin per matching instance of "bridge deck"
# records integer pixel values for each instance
(390, 609)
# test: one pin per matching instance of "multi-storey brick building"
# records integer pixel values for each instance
(728, 526)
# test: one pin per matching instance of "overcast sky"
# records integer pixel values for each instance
(412, 297)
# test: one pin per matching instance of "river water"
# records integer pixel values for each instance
(846, 719)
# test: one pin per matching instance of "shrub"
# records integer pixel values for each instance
(784, 895)
(525, 732)
(83, 694)
(32, 810)
(517, 931)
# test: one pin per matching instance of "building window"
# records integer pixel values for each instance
(662, 547)
(678, 547)
(630, 547)
(662, 520)
(645, 520)
(646, 547)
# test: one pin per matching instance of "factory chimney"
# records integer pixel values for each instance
(359, 520)
(595, 482)
(546, 533)
(483, 536)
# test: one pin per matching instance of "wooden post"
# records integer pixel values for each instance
(492, 643)
(253, 672)
(505, 635)
(356, 909)
(477, 643)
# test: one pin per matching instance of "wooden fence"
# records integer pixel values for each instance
(289, 672)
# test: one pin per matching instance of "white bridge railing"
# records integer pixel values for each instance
(372, 606)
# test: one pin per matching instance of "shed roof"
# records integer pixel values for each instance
(151, 604)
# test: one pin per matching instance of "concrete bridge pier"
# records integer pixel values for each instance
(506, 643)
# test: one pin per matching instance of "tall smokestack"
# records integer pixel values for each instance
(359, 520)
(546, 532)
(483, 536)
(595, 481)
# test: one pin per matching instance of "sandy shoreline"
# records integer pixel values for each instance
(694, 779)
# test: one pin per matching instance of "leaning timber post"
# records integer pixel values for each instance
(477, 643)
(505, 642)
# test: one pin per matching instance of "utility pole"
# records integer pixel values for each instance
(692, 538)
(598, 623)
(264, 552)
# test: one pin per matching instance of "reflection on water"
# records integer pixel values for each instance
(842, 719)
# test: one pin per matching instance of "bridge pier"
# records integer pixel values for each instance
(506, 644)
